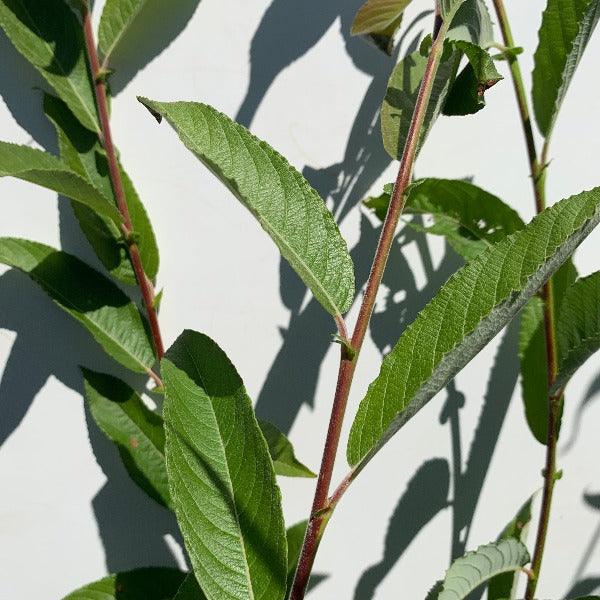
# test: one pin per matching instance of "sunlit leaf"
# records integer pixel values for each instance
(277, 195)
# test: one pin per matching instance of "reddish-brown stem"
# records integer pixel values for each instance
(538, 176)
(144, 283)
(322, 506)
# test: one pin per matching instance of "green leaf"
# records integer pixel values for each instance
(137, 431)
(532, 353)
(472, 23)
(377, 16)
(282, 453)
(504, 586)
(295, 538)
(50, 37)
(153, 583)
(402, 92)
(380, 20)
(475, 568)
(466, 95)
(189, 590)
(470, 309)
(81, 150)
(117, 17)
(567, 26)
(578, 327)
(221, 476)
(449, 8)
(50, 172)
(470, 218)
(283, 202)
(97, 303)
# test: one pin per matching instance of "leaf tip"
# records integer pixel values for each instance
(149, 105)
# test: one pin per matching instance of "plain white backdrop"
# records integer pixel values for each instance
(68, 512)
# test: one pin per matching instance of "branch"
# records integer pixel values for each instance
(144, 283)
(322, 507)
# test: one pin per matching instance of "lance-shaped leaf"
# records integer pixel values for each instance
(379, 19)
(50, 37)
(470, 218)
(578, 327)
(402, 92)
(221, 476)
(282, 453)
(504, 585)
(475, 568)
(95, 301)
(137, 431)
(567, 26)
(154, 583)
(50, 172)
(282, 201)
(81, 150)
(470, 309)
(467, 94)
(533, 356)
(117, 17)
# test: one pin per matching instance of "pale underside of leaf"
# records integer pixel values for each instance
(376, 16)
(567, 26)
(117, 17)
(283, 202)
(89, 297)
(475, 568)
(470, 309)
(221, 476)
(449, 8)
(42, 168)
(50, 37)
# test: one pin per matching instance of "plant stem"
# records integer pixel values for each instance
(322, 507)
(144, 283)
(538, 176)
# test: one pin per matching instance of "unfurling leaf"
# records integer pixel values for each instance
(89, 297)
(402, 92)
(282, 453)
(277, 195)
(136, 430)
(470, 309)
(42, 168)
(153, 583)
(475, 568)
(221, 476)
(379, 19)
(48, 34)
(81, 150)
(533, 355)
(472, 23)
(578, 327)
(466, 95)
(567, 26)
(117, 17)
(504, 585)
(470, 218)
(449, 8)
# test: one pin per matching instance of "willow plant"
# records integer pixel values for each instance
(205, 455)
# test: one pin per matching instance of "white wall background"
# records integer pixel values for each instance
(68, 512)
